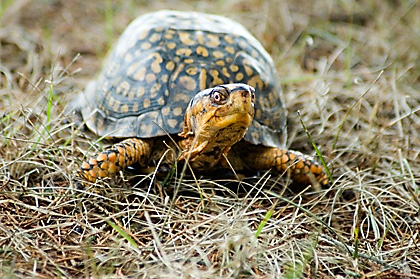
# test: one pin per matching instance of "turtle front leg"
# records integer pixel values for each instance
(300, 167)
(121, 155)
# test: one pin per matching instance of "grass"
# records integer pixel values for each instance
(349, 67)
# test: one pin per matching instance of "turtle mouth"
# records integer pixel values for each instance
(242, 119)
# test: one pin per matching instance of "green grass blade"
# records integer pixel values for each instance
(318, 153)
(122, 233)
(263, 222)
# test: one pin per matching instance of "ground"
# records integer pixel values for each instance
(350, 68)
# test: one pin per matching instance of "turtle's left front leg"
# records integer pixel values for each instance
(300, 167)
(118, 157)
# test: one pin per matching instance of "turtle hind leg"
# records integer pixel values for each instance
(302, 168)
(120, 156)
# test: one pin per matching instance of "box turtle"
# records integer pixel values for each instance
(180, 86)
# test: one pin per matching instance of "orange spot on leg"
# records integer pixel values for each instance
(112, 157)
(101, 157)
(85, 166)
(284, 158)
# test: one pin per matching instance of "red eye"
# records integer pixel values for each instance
(217, 97)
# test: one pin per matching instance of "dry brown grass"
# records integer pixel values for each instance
(350, 67)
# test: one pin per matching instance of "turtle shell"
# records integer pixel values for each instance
(162, 60)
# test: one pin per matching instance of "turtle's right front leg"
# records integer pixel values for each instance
(121, 155)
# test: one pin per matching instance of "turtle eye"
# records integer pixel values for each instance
(218, 96)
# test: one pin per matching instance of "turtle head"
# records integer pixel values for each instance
(216, 119)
